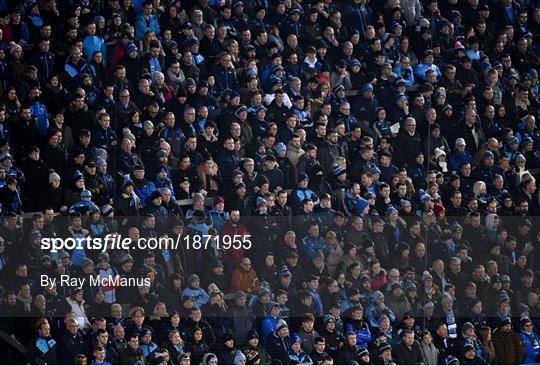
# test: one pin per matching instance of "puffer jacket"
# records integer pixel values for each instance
(361, 329)
(531, 342)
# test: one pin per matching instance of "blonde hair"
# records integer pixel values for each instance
(478, 187)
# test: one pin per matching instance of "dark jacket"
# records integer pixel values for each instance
(405, 355)
(278, 348)
(408, 145)
(70, 346)
(509, 348)
(42, 351)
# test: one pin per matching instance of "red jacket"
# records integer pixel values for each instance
(233, 255)
(377, 282)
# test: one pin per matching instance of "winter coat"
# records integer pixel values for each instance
(200, 296)
(509, 348)
(143, 25)
(308, 339)
(242, 321)
(278, 348)
(361, 329)
(44, 350)
(132, 357)
(269, 325)
(70, 346)
(374, 313)
(36, 183)
(299, 357)
(429, 353)
(399, 306)
(405, 356)
(532, 347)
(242, 280)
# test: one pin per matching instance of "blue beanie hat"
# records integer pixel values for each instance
(280, 324)
(391, 209)
(361, 205)
(239, 357)
(303, 176)
(285, 272)
(338, 170)
(488, 154)
(280, 147)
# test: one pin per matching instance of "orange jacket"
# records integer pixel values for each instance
(242, 280)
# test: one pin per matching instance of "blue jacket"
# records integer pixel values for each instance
(142, 25)
(456, 159)
(300, 358)
(219, 218)
(278, 348)
(374, 313)
(407, 75)
(531, 352)
(200, 296)
(316, 303)
(157, 184)
(44, 61)
(357, 17)
(310, 245)
(299, 194)
(420, 71)
(84, 206)
(225, 79)
(148, 348)
(4, 132)
(296, 28)
(39, 111)
(103, 138)
(269, 325)
(361, 329)
(20, 32)
(92, 44)
(175, 137)
(143, 190)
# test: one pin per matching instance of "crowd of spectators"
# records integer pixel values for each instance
(361, 175)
